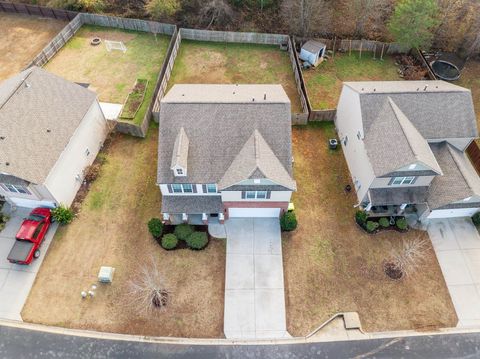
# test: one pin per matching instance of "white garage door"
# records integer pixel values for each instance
(451, 213)
(254, 212)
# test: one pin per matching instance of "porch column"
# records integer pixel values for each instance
(221, 218)
(184, 217)
(204, 218)
(166, 218)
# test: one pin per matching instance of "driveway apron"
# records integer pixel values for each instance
(254, 287)
(457, 245)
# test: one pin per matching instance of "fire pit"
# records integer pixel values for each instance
(95, 41)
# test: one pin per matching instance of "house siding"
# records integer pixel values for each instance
(349, 123)
(383, 182)
(61, 182)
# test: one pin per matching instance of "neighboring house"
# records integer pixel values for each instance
(50, 131)
(404, 142)
(224, 151)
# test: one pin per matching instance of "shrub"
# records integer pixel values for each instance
(372, 226)
(197, 240)
(384, 222)
(62, 214)
(361, 217)
(91, 172)
(155, 227)
(476, 219)
(182, 231)
(401, 224)
(288, 221)
(169, 241)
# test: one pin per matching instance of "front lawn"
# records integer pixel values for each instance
(111, 230)
(332, 266)
(200, 62)
(112, 74)
(324, 83)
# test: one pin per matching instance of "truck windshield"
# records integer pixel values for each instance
(35, 217)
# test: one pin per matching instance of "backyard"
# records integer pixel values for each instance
(112, 74)
(22, 38)
(332, 266)
(470, 79)
(324, 83)
(111, 230)
(231, 63)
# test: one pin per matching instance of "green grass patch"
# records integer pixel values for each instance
(134, 100)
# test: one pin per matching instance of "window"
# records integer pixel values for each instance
(403, 180)
(15, 188)
(177, 188)
(256, 194)
(187, 188)
(211, 188)
(179, 171)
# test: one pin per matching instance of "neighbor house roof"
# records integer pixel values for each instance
(391, 134)
(39, 112)
(437, 109)
(218, 121)
(313, 46)
(459, 180)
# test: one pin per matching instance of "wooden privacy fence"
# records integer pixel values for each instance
(474, 153)
(37, 11)
(234, 37)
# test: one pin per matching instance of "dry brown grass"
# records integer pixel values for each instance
(111, 230)
(332, 266)
(22, 37)
(471, 79)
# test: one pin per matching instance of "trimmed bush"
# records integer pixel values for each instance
(197, 240)
(401, 224)
(155, 227)
(372, 226)
(476, 219)
(288, 221)
(361, 217)
(62, 214)
(169, 241)
(182, 231)
(384, 222)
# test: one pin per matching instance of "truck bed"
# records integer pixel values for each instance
(20, 251)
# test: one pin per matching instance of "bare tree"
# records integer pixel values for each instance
(146, 291)
(307, 16)
(215, 12)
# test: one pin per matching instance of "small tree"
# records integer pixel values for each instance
(413, 23)
(161, 9)
(288, 221)
(62, 214)
(146, 291)
(155, 227)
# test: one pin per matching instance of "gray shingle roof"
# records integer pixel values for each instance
(39, 112)
(219, 120)
(192, 204)
(313, 46)
(442, 111)
(459, 179)
(398, 196)
(392, 142)
(256, 158)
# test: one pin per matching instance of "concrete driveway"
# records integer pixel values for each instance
(16, 280)
(457, 245)
(254, 289)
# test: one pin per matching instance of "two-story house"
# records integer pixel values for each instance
(405, 142)
(224, 151)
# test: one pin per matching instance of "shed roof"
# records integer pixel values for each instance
(39, 112)
(313, 46)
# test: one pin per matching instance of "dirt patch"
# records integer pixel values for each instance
(22, 38)
(111, 229)
(331, 265)
(228, 63)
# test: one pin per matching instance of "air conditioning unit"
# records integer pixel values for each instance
(105, 275)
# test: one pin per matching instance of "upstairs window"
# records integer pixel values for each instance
(15, 188)
(182, 188)
(256, 195)
(251, 194)
(399, 181)
(177, 188)
(211, 188)
(187, 188)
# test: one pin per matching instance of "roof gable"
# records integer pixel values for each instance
(256, 157)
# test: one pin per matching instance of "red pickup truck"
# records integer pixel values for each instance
(30, 236)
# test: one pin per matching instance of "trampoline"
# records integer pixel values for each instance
(447, 66)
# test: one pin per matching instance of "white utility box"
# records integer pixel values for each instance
(105, 275)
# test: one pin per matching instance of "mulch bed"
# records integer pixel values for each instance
(169, 228)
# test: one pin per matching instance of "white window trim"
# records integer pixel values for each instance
(255, 194)
(182, 187)
(407, 180)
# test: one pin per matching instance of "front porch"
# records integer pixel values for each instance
(193, 219)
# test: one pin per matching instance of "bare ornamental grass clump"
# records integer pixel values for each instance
(406, 260)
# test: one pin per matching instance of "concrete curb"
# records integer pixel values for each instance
(198, 341)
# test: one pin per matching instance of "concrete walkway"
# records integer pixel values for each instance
(17, 280)
(254, 289)
(457, 245)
